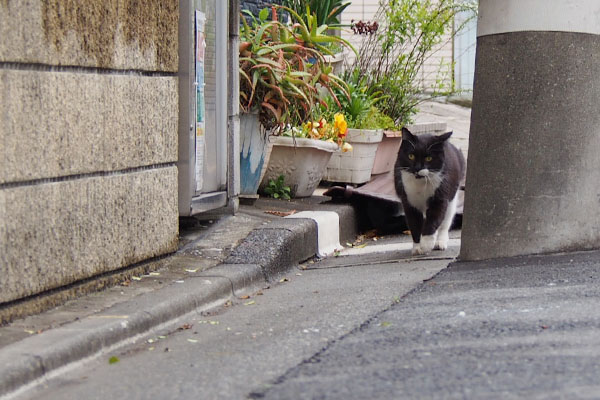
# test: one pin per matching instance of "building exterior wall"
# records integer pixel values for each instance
(88, 139)
(365, 10)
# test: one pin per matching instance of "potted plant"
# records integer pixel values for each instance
(282, 69)
(393, 54)
(395, 50)
(327, 13)
(301, 154)
(364, 133)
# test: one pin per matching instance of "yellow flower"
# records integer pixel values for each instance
(346, 147)
(340, 124)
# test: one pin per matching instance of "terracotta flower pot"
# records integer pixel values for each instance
(387, 151)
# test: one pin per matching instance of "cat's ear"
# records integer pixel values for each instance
(443, 137)
(439, 140)
(406, 135)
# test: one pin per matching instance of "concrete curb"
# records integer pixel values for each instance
(266, 253)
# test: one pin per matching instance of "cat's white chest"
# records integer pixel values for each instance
(418, 191)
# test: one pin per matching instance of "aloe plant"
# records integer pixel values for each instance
(282, 67)
(315, 34)
(327, 12)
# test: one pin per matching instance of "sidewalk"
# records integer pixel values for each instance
(219, 258)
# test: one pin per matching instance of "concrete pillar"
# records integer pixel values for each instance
(533, 181)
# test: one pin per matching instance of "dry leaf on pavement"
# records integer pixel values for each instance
(184, 327)
(280, 213)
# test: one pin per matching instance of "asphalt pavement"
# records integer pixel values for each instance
(230, 351)
(523, 327)
(518, 328)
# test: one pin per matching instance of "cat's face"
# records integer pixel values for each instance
(421, 155)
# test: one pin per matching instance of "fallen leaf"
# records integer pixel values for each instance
(284, 280)
(228, 303)
(385, 324)
(162, 337)
(361, 246)
(126, 283)
(348, 244)
(370, 234)
(249, 303)
(259, 293)
(136, 278)
(150, 348)
(214, 322)
(190, 270)
(406, 232)
(280, 213)
(154, 274)
(113, 360)
(245, 297)
(29, 331)
(184, 327)
(192, 340)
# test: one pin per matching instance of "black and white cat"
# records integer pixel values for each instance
(427, 176)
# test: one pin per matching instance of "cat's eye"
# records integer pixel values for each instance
(428, 158)
(411, 156)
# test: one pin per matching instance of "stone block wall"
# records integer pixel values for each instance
(88, 139)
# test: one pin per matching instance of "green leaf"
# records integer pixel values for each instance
(113, 360)
(263, 14)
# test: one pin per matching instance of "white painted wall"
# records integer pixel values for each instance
(365, 10)
(359, 10)
(465, 43)
(501, 16)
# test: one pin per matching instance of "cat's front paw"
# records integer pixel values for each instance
(442, 242)
(416, 250)
(427, 243)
